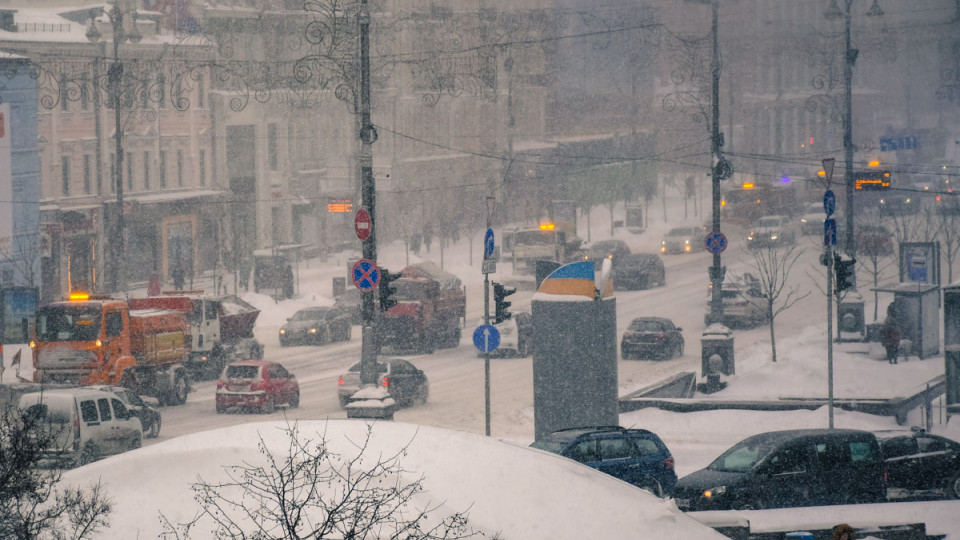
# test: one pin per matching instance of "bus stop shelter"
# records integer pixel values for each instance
(918, 312)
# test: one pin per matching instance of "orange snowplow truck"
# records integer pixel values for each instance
(99, 340)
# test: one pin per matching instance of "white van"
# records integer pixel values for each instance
(87, 424)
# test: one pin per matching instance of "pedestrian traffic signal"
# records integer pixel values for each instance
(500, 292)
(846, 274)
(386, 290)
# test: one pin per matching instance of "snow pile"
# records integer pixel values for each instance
(510, 491)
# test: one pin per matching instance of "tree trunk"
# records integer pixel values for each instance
(773, 340)
(612, 228)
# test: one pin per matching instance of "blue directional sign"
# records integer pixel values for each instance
(486, 338)
(488, 243)
(829, 232)
(716, 242)
(829, 202)
(366, 275)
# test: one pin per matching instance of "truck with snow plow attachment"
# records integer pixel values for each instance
(221, 328)
(430, 310)
(94, 339)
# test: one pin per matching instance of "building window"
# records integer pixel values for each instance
(146, 170)
(129, 160)
(201, 91)
(272, 146)
(86, 174)
(65, 174)
(203, 167)
(180, 168)
(163, 169)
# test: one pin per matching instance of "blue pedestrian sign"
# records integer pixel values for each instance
(716, 242)
(486, 338)
(829, 232)
(488, 244)
(366, 275)
(829, 202)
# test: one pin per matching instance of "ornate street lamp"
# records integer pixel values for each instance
(117, 232)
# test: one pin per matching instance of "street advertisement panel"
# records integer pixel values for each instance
(6, 182)
(920, 262)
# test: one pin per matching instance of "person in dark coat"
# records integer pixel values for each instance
(890, 334)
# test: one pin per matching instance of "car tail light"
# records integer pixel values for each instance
(386, 381)
(661, 335)
(668, 463)
(340, 382)
(219, 385)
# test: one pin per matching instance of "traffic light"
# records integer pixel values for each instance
(845, 273)
(499, 294)
(386, 290)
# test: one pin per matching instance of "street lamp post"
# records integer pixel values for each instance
(849, 59)
(114, 80)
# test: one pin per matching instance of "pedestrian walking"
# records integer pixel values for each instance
(288, 282)
(890, 334)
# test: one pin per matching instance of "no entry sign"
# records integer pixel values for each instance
(362, 224)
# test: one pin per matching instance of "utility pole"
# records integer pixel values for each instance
(717, 271)
(368, 193)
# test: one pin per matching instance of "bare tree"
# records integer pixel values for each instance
(313, 493)
(773, 265)
(876, 253)
(33, 505)
(948, 233)
(23, 253)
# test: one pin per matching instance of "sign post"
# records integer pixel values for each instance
(829, 240)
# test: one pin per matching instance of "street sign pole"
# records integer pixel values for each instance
(829, 257)
(486, 321)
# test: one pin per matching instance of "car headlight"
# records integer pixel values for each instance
(313, 330)
(803, 220)
(773, 237)
(686, 241)
(750, 237)
(282, 331)
(714, 492)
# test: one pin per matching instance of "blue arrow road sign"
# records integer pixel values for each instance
(486, 338)
(488, 243)
(829, 232)
(829, 202)
(366, 275)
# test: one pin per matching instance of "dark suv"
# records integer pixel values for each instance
(920, 463)
(636, 456)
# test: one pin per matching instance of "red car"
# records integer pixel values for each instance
(257, 384)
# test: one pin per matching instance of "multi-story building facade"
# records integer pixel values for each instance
(172, 207)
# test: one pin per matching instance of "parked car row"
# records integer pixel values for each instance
(803, 467)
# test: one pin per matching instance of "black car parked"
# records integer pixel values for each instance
(801, 467)
(638, 271)
(316, 326)
(919, 463)
(651, 337)
(636, 456)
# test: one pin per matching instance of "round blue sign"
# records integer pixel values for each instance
(829, 202)
(488, 243)
(366, 275)
(486, 338)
